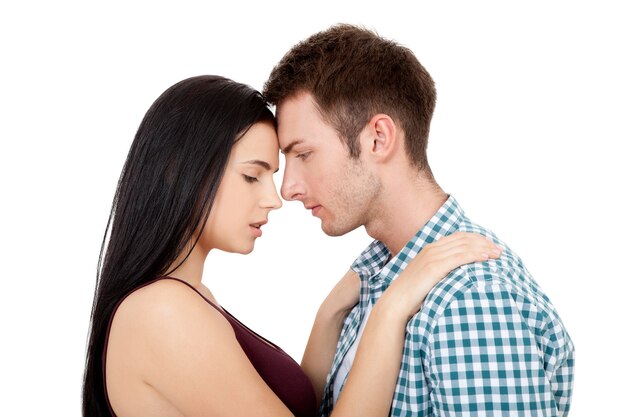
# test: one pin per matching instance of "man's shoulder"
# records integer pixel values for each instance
(505, 274)
(466, 225)
(498, 287)
(456, 297)
(452, 288)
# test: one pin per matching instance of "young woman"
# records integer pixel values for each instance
(199, 177)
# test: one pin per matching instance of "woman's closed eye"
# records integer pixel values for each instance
(250, 179)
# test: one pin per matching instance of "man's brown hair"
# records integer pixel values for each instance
(353, 74)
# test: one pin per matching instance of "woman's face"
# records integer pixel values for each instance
(246, 194)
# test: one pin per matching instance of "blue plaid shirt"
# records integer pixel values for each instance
(486, 342)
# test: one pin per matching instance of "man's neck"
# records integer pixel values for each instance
(402, 212)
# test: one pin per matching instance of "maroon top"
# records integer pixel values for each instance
(279, 371)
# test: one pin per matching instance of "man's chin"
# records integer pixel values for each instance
(334, 231)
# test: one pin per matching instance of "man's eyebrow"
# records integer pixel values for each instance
(260, 163)
(289, 147)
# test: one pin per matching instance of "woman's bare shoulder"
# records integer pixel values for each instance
(165, 308)
(186, 350)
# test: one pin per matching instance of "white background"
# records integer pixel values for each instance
(528, 136)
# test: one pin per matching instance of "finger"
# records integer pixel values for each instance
(464, 237)
(452, 259)
(465, 241)
(454, 239)
(439, 262)
(456, 236)
(477, 250)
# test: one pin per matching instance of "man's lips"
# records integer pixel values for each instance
(314, 209)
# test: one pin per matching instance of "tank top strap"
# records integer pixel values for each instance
(218, 308)
(237, 325)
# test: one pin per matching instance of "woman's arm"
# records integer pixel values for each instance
(381, 346)
(320, 349)
(370, 386)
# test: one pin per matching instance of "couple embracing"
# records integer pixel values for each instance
(437, 316)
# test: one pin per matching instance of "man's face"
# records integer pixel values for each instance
(319, 171)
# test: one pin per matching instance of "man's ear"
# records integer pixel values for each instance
(381, 141)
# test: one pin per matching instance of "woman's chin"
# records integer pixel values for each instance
(247, 250)
(241, 249)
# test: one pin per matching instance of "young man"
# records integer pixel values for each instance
(353, 115)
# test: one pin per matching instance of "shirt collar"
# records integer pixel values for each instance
(373, 264)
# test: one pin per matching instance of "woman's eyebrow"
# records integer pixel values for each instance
(260, 163)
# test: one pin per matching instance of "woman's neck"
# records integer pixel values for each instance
(191, 267)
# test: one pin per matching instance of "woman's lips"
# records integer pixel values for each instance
(256, 231)
(256, 228)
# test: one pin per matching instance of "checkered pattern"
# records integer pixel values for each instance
(486, 342)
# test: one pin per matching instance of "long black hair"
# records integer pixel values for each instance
(165, 192)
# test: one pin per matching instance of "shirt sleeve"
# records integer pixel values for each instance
(486, 358)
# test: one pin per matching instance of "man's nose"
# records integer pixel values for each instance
(291, 189)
